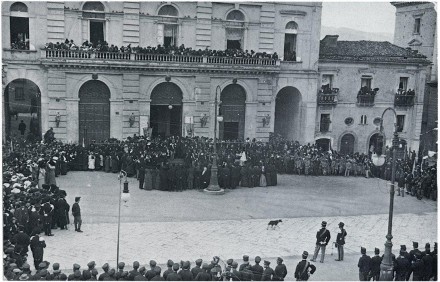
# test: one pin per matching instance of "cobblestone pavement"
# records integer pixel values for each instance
(190, 225)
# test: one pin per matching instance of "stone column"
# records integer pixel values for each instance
(116, 115)
(307, 123)
(251, 122)
(72, 118)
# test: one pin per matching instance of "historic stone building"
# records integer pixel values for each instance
(94, 95)
(416, 28)
(98, 95)
(359, 80)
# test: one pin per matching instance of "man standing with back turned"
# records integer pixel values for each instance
(322, 239)
(76, 211)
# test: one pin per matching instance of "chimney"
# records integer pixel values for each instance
(330, 41)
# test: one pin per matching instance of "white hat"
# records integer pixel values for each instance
(6, 185)
(16, 185)
(15, 191)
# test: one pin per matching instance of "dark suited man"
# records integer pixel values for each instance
(257, 269)
(340, 241)
(322, 239)
(364, 265)
(302, 269)
(76, 212)
(375, 265)
(403, 266)
(280, 270)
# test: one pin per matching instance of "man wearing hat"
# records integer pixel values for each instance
(197, 269)
(158, 270)
(235, 274)
(133, 273)
(76, 268)
(173, 276)
(185, 273)
(246, 273)
(214, 268)
(364, 265)
(245, 262)
(24, 277)
(169, 270)
(280, 271)
(141, 276)
(428, 262)
(104, 275)
(91, 266)
(204, 275)
(22, 241)
(402, 266)
(257, 269)
(121, 271)
(76, 212)
(151, 273)
(412, 257)
(302, 268)
(56, 273)
(340, 241)
(322, 239)
(268, 272)
(37, 247)
(418, 268)
(375, 265)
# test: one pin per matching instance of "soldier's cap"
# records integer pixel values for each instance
(305, 254)
(234, 264)
(142, 269)
(205, 266)
(170, 263)
(229, 261)
(246, 258)
(135, 264)
(157, 270)
(42, 265)
(199, 262)
(121, 265)
(105, 266)
(77, 273)
(341, 224)
(16, 270)
(279, 259)
(427, 246)
(56, 266)
(324, 223)
(266, 262)
(91, 264)
(24, 277)
(152, 263)
(376, 251)
(415, 244)
(257, 259)
(403, 247)
(26, 266)
(186, 265)
(77, 199)
(43, 272)
(176, 266)
(76, 266)
(363, 250)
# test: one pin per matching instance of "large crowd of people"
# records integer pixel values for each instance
(33, 203)
(181, 50)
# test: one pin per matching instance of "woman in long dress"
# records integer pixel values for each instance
(50, 173)
(263, 182)
(41, 175)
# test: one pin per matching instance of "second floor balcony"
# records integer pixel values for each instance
(365, 97)
(404, 99)
(328, 96)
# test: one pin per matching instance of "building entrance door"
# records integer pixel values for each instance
(94, 112)
(233, 110)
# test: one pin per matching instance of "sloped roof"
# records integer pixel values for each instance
(376, 51)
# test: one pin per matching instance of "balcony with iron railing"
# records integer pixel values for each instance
(365, 97)
(96, 56)
(328, 96)
(404, 99)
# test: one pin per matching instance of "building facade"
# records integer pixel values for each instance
(416, 28)
(283, 81)
(99, 95)
(359, 80)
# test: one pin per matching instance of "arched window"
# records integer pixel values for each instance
(235, 30)
(19, 26)
(95, 13)
(290, 41)
(167, 29)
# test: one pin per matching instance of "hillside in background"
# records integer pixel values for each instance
(349, 34)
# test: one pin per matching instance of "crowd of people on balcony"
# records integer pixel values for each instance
(20, 43)
(160, 49)
(404, 97)
(366, 91)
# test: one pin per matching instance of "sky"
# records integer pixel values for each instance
(364, 16)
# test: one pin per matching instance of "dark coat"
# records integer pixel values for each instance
(323, 235)
(364, 263)
(375, 265)
(267, 274)
(173, 276)
(302, 272)
(280, 272)
(257, 272)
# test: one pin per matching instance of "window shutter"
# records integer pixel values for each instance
(160, 34)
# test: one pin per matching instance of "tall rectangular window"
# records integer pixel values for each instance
(366, 81)
(234, 38)
(363, 119)
(324, 123)
(400, 123)
(96, 32)
(417, 22)
(19, 28)
(290, 47)
(403, 83)
(170, 35)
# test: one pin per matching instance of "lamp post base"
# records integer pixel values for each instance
(386, 273)
(214, 190)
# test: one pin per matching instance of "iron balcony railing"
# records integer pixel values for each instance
(401, 100)
(365, 100)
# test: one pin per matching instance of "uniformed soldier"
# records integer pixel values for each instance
(257, 269)
(364, 265)
(197, 269)
(169, 270)
(302, 269)
(268, 272)
(280, 271)
(133, 273)
(104, 275)
(76, 267)
(428, 262)
(185, 273)
(403, 266)
(157, 270)
(151, 273)
(322, 239)
(418, 268)
(340, 241)
(173, 276)
(246, 273)
(204, 275)
(375, 265)
(412, 257)
(245, 262)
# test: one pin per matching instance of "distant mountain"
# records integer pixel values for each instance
(349, 34)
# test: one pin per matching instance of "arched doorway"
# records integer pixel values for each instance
(288, 113)
(347, 144)
(166, 110)
(22, 104)
(323, 144)
(94, 112)
(233, 110)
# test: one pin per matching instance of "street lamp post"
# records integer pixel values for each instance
(124, 195)
(386, 267)
(213, 187)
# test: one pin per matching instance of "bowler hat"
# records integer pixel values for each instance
(324, 223)
(403, 247)
(305, 254)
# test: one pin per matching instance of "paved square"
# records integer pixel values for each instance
(189, 225)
